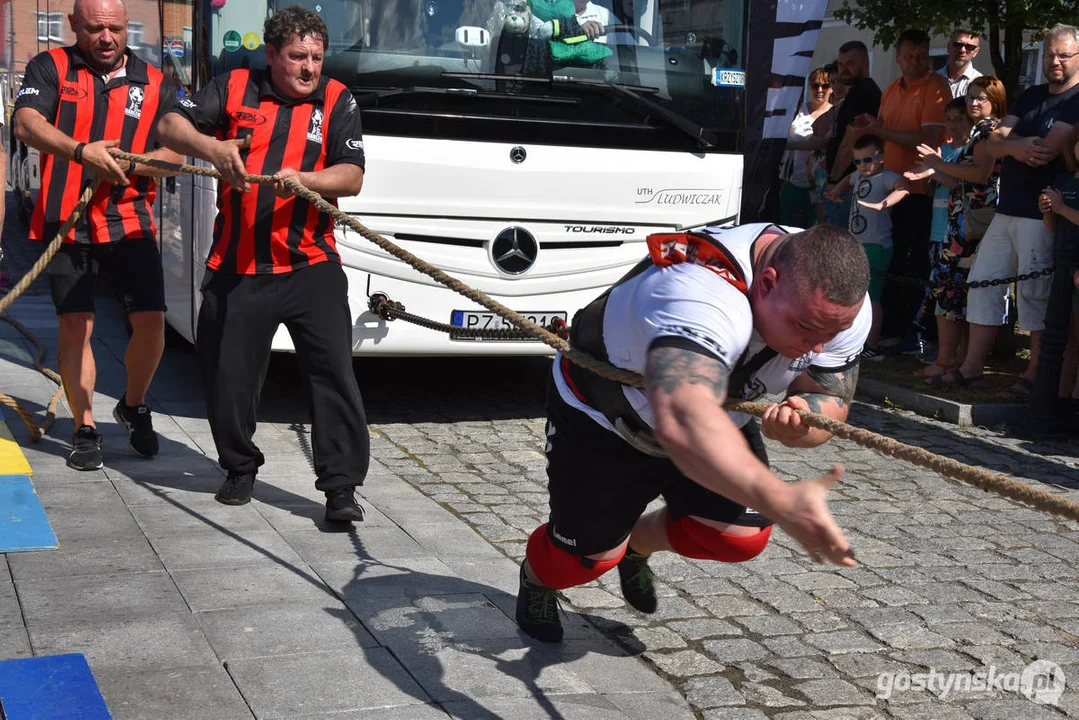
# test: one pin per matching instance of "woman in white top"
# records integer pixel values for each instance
(794, 195)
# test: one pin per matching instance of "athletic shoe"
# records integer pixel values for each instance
(86, 449)
(890, 342)
(637, 586)
(236, 490)
(140, 428)
(871, 354)
(537, 610)
(341, 505)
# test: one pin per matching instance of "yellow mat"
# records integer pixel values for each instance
(12, 461)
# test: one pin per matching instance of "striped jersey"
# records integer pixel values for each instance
(78, 101)
(259, 233)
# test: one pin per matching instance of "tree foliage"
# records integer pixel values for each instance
(1002, 23)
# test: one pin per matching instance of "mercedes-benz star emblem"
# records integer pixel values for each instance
(518, 154)
(514, 251)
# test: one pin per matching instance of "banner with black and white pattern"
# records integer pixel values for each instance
(781, 38)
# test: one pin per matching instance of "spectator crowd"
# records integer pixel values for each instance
(950, 181)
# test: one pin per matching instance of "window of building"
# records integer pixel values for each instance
(938, 58)
(50, 26)
(1030, 66)
(134, 35)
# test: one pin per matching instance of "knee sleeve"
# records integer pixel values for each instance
(556, 568)
(696, 540)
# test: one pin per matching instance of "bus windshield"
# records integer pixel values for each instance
(649, 74)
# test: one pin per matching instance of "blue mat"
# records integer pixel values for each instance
(23, 525)
(60, 687)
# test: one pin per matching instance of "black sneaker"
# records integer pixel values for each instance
(85, 449)
(636, 577)
(341, 505)
(236, 490)
(140, 429)
(537, 610)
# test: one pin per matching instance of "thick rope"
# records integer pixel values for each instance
(36, 433)
(978, 477)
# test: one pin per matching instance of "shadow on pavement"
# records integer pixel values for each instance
(455, 638)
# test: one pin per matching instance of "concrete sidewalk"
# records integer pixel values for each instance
(186, 608)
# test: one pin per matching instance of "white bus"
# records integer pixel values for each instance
(528, 168)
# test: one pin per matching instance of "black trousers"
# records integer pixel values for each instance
(912, 221)
(1044, 405)
(237, 322)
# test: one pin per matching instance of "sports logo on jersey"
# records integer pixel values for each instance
(188, 103)
(353, 144)
(27, 91)
(246, 117)
(135, 96)
(754, 389)
(314, 130)
(71, 91)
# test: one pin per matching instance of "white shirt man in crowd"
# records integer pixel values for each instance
(962, 49)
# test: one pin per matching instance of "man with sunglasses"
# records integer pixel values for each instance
(962, 49)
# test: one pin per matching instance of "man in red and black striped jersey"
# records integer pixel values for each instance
(274, 259)
(75, 103)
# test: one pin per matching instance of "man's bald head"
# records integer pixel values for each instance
(100, 28)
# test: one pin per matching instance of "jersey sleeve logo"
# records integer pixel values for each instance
(27, 91)
(353, 144)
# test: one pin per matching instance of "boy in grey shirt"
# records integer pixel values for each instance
(876, 192)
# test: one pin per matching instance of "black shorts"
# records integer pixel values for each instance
(133, 265)
(600, 485)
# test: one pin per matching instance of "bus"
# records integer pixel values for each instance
(529, 168)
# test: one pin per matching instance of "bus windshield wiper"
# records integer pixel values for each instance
(703, 137)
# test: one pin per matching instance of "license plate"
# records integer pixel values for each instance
(474, 320)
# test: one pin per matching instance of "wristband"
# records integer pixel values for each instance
(130, 169)
(77, 155)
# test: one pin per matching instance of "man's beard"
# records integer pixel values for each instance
(103, 67)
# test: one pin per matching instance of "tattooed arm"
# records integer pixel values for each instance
(820, 390)
(686, 389)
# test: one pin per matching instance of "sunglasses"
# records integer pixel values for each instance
(964, 46)
(867, 160)
(820, 86)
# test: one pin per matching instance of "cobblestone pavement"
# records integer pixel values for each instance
(949, 578)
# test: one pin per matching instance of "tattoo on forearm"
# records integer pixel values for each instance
(837, 387)
(669, 368)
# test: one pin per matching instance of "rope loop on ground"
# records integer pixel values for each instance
(978, 477)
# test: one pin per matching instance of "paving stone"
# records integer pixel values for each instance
(832, 692)
(703, 628)
(735, 714)
(768, 696)
(711, 692)
(755, 673)
(325, 682)
(729, 607)
(659, 638)
(908, 636)
(733, 650)
(894, 596)
(803, 668)
(684, 663)
(769, 625)
(787, 647)
(205, 692)
(144, 643)
(844, 641)
(282, 629)
(819, 621)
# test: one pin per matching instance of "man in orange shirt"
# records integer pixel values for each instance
(911, 114)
